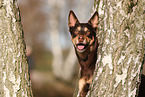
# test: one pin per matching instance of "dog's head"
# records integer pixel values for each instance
(83, 34)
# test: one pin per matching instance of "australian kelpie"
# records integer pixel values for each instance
(84, 39)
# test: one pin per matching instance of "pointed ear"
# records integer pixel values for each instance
(94, 20)
(72, 19)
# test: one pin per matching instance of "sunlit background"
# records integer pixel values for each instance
(52, 61)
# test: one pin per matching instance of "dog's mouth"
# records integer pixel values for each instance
(81, 47)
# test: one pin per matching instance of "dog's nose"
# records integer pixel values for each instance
(81, 39)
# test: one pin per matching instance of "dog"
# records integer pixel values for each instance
(85, 41)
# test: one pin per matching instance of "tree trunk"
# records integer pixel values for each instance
(14, 79)
(120, 54)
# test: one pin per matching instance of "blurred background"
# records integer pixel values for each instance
(53, 66)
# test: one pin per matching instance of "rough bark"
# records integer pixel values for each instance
(121, 36)
(14, 79)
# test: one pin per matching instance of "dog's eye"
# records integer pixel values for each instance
(76, 32)
(88, 33)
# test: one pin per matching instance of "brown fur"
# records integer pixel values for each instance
(86, 44)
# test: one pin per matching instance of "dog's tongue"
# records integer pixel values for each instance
(81, 47)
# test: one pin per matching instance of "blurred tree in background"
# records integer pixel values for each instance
(45, 27)
(14, 79)
(49, 48)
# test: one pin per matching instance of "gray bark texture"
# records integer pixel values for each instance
(121, 36)
(14, 78)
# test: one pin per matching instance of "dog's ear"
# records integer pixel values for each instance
(94, 21)
(72, 19)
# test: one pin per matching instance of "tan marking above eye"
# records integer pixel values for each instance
(85, 29)
(79, 28)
